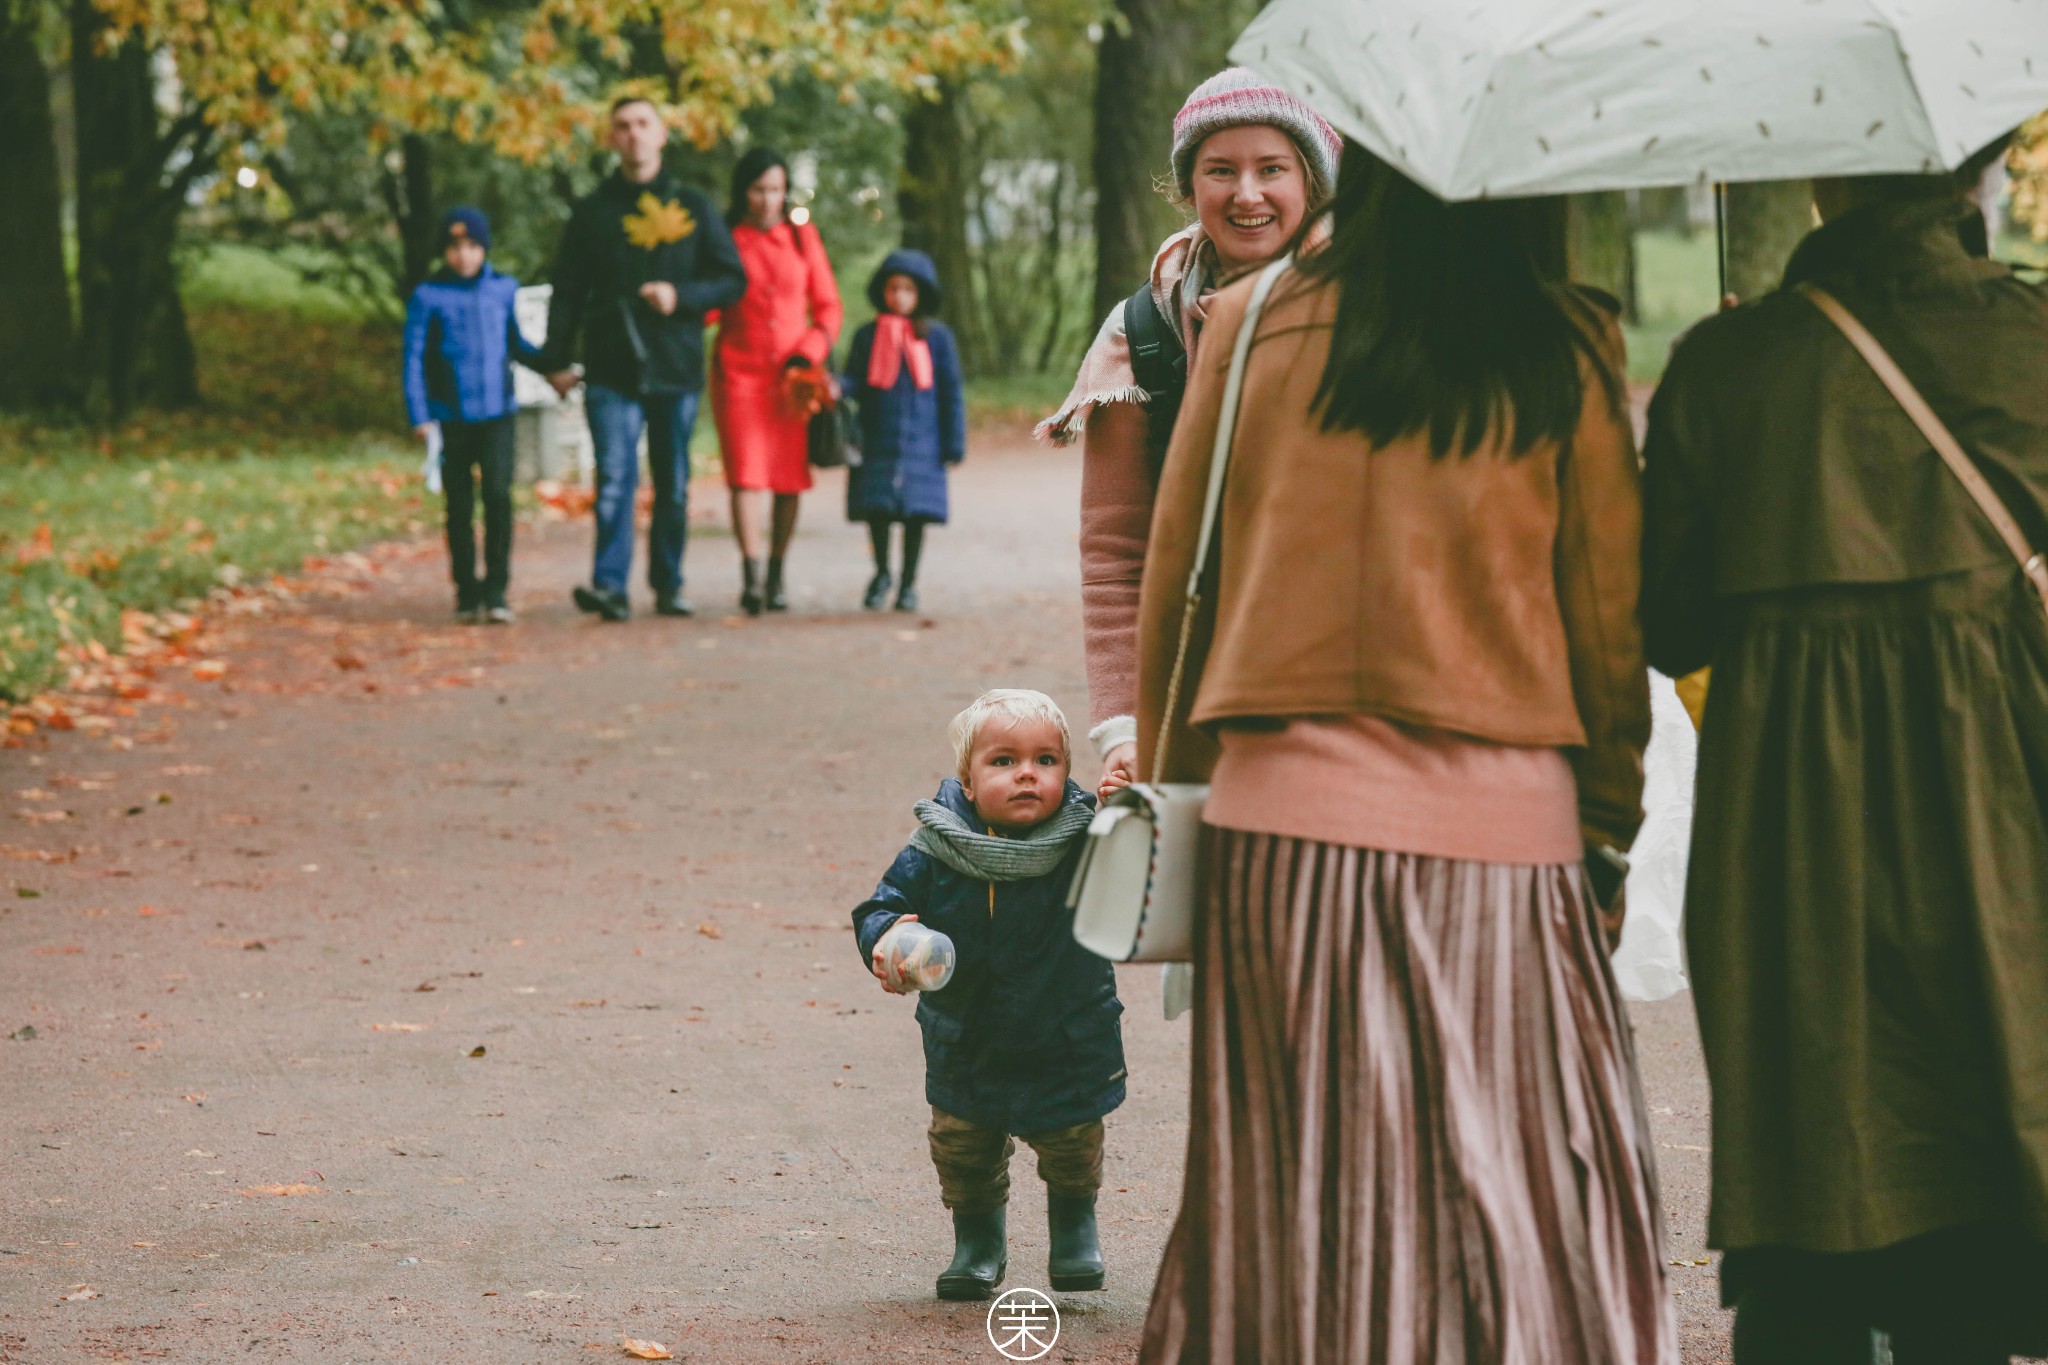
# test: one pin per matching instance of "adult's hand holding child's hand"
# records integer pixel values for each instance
(878, 960)
(1119, 769)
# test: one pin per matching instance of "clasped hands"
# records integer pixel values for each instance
(660, 296)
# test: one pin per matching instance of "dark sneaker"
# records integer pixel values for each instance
(906, 597)
(673, 604)
(878, 591)
(605, 603)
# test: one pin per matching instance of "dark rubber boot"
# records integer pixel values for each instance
(878, 591)
(778, 597)
(981, 1256)
(1076, 1260)
(751, 600)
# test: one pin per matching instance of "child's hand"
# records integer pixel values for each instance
(878, 960)
(1119, 769)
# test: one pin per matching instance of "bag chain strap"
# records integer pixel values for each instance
(1219, 464)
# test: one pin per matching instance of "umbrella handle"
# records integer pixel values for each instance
(1721, 237)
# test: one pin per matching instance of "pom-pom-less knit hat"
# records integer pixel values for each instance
(458, 223)
(1239, 98)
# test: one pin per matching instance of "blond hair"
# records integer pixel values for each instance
(1014, 704)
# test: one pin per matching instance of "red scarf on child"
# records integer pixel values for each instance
(895, 338)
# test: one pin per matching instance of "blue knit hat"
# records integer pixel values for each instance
(465, 222)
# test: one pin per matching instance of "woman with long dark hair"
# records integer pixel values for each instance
(774, 346)
(1415, 1133)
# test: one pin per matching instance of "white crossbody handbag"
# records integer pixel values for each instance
(1135, 889)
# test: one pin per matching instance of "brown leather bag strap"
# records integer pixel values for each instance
(1938, 435)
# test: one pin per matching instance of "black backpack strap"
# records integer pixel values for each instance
(1160, 364)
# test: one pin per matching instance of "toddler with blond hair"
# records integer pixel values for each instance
(1023, 1040)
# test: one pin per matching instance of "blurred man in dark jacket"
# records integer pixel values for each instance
(644, 258)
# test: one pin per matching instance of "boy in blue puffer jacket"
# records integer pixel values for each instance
(1023, 1039)
(461, 337)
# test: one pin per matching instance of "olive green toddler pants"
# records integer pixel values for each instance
(974, 1161)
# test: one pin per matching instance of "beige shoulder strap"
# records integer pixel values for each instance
(1938, 435)
(1212, 502)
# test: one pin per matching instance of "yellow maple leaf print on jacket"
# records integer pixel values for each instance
(658, 223)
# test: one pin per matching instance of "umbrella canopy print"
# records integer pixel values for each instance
(1497, 98)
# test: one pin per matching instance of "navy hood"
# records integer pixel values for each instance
(919, 267)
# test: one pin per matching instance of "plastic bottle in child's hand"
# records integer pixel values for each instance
(914, 958)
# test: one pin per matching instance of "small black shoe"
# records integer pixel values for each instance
(606, 603)
(906, 597)
(1076, 1259)
(878, 591)
(673, 604)
(777, 597)
(981, 1256)
(751, 600)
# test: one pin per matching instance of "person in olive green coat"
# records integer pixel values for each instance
(1867, 902)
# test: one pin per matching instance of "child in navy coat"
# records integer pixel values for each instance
(461, 337)
(1023, 1040)
(903, 375)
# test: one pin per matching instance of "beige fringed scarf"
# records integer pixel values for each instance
(1180, 275)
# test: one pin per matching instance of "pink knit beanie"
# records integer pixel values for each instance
(1238, 98)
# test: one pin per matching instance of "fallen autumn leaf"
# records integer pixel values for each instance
(645, 1350)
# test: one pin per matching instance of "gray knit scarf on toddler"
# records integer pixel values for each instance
(991, 858)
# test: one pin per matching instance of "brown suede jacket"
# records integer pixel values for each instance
(1489, 596)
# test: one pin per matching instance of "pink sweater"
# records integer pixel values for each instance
(1117, 490)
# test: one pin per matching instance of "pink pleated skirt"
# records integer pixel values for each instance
(1415, 1133)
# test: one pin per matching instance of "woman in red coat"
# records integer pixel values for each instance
(787, 322)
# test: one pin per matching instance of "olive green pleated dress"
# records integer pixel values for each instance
(1867, 904)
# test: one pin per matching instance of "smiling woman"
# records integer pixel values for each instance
(1252, 163)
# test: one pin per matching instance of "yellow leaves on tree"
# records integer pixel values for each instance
(533, 80)
(2029, 166)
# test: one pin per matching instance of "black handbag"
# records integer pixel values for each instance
(834, 437)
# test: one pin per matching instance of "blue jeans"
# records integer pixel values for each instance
(615, 422)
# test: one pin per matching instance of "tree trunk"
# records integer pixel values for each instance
(134, 349)
(1152, 54)
(1600, 246)
(1664, 208)
(1765, 221)
(35, 297)
(932, 197)
(409, 192)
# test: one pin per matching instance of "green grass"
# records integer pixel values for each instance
(299, 449)
(158, 520)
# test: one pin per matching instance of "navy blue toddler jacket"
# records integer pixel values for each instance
(1025, 1037)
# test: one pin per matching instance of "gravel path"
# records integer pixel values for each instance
(422, 992)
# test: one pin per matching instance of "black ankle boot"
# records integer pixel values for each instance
(778, 599)
(980, 1256)
(751, 600)
(878, 591)
(1076, 1259)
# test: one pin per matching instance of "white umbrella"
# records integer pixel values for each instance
(1497, 98)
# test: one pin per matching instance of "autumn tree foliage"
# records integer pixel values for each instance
(2029, 167)
(171, 93)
